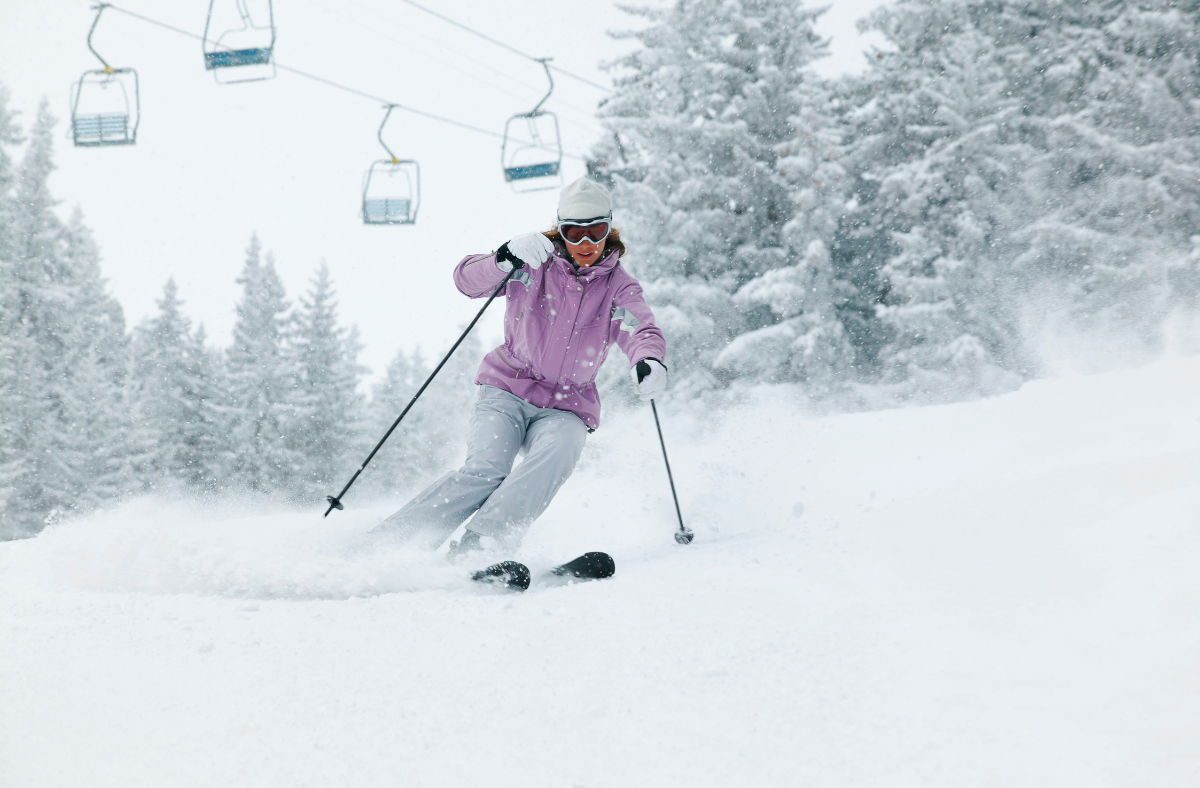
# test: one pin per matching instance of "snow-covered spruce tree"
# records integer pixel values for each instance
(66, 334)
(935, 147)
(14, 461)
(1114, 92)
(809, 343)
(1010, 153)
(176, 398)
(328, 408)
(404, 460)
(706, 115)
(430, 439)
(260, 375)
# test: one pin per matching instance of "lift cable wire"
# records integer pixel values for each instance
(473, 74)
(503, 45)
(337, 85)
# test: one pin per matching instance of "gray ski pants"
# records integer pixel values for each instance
(505, 502)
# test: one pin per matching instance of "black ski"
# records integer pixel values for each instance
(516, 576)
(506, 574)
(589, 566)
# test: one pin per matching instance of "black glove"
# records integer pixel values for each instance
(504, 255)
(650, 378)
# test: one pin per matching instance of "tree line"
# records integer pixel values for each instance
(91, 412)
(904, 234)
(1001, 170)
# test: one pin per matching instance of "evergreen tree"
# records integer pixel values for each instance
(260, 377)
(66, 336)
(404, 460)
(328, 406)
(431, 438)
(713, 114)
(14, 460)
(1008, 154)
(176, 397)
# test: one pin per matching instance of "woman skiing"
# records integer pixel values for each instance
(568, 299)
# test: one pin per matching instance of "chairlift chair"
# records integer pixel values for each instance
(533, 162)
(105, 105)
(239, 39)
(391, 187)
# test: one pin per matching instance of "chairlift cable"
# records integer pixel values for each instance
(472, 73)
(336, 85)
(503, 45)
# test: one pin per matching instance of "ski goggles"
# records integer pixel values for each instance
(594, 230)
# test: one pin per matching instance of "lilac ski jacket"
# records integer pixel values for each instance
(558, 325)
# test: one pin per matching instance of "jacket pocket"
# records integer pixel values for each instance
(500, 355)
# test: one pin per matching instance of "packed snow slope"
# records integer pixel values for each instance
(998, 593)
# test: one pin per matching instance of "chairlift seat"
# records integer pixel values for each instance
(110, 129)
(386, 210)
(241, 57)
(239, 40)
(546, 170)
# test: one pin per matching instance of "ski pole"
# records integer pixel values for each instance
(335, 501)
(683, 535)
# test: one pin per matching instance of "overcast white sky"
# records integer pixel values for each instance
(285, 158)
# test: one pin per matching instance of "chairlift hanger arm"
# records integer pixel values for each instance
(545, 61)
(387, 115)
(99, 10)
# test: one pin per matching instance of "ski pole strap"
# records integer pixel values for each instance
(335, 501)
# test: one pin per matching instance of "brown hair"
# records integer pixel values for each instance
(613, 241)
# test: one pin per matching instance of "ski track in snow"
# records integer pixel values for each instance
(1002, 592)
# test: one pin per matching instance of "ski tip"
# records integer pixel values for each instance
(591, 566)
(506, 574)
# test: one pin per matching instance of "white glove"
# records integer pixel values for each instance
(531, 249)
(649, 378)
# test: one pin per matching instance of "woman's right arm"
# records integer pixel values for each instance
(477, 275)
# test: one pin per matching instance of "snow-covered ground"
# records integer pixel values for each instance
(998, 593)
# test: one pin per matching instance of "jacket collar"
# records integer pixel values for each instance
(607, 264)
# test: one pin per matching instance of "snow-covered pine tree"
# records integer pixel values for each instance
(327, 428)
(176, 398)
(404, 461)
(809, 343)
(1013, 154)
(14, 461)
(935, 147)
(1113, 91)
(68, 335)
(430, 440)
(96, 382)
(260, 375)
(703, 114)
(795, 313)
